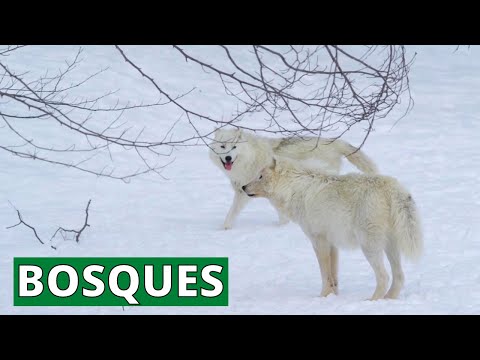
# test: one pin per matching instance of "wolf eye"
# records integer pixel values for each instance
(223, 146)
(260, 177)
(234, 147)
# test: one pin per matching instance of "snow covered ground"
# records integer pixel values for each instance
(434, 151)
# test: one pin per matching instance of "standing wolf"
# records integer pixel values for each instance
(371, 211)
(241, 156)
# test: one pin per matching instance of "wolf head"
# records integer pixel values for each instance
(261, 185)
(226, 147)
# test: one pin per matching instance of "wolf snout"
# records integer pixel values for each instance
(228, 158)
(244, 187)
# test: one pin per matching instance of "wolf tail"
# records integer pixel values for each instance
(407, 231)
(357, 157)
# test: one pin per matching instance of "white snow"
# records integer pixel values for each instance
(434, 151)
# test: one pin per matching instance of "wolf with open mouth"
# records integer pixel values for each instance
(241, 155)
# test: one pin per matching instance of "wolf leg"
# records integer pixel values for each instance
(393, 256)
(374, 256)
(323, 252)
(239, 201)
(334, 267)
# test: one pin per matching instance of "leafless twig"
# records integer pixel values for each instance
(60, 230)
(76, 233)
(20, 221)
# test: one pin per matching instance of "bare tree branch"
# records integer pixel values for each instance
(60, 230)
(318, 89)
(278, 90)
(20, 221)
(76, 233)
(47, 101)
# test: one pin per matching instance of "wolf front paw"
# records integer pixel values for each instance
(327, 291)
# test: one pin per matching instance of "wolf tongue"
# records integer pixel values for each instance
(228, 166)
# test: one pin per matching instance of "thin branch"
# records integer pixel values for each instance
(76, 233)
(24, 223)
(61, 230)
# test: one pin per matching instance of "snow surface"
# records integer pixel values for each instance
(434, 151)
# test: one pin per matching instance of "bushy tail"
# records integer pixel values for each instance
(357, 158)
(406, 222)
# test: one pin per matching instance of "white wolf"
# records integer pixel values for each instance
(374, 212)
(241, 155)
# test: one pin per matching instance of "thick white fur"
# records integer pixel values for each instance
(373, 212)
(251, 153)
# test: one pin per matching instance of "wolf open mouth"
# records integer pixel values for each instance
(227, 165)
